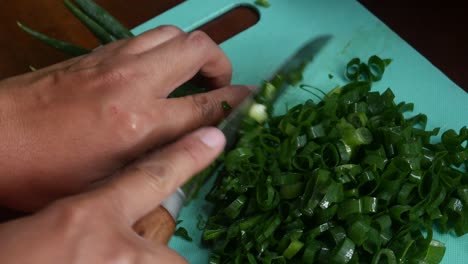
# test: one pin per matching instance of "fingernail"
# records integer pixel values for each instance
(212, 137)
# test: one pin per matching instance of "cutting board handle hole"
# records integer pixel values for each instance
(231, 23)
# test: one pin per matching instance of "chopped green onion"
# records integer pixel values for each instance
(258, 112)
(349, 179)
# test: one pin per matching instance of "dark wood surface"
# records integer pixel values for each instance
(438, 32)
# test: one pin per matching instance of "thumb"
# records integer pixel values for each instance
(144, 185)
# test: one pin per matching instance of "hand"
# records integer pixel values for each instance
(68, 125)
(96, 227)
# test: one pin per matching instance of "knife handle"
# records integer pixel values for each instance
(157, 226)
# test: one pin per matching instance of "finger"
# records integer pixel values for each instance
(152, 38)
(144, 185)
(138, 44)
(187, 113)
(178, 60)
(156, 252)
(96, 55)
(168, 255)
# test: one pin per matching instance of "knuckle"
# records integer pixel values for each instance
(123, 252)
(74, 214)
(58, 78)
(204, 107)
(157, 174)
(86, 61)
(127, 123)
(169, 255)
(199, 38)
(113, 76)
(128, 120)
(191, 153)
(170, 30)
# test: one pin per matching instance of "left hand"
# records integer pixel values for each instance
(66, 126)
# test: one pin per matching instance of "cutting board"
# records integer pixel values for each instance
(283, 27)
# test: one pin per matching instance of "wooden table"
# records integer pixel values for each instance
(439, 33)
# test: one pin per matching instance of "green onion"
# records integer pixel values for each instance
(98, 31)
(226, 106)
(262, 3)
(348, 179)
(65, 47)
(183, 233)
(258, 112)
(103, 18)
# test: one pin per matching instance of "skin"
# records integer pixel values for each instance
(96, 226)
(68, 127)
(92, 144)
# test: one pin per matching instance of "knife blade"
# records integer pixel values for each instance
(159, 225)
(230, 125)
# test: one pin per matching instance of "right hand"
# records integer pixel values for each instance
(66, 126)
(96, 227)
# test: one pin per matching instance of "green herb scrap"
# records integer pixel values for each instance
(372, 71)
(350, 179)
(183, 233)
(226, 106)
(262, 3)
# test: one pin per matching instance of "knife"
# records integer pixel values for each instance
(159, 225)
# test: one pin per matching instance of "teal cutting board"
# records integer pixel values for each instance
(257, 52)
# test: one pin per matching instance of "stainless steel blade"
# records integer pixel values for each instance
(304, 55)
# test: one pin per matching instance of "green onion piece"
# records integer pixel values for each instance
(214, 259)
(388, 254)
(251, 259)
(106, 20)
(98, 31)
(258, 112)
(226, 106)
(352, 69)
(64, 47)
(291, 191)
(316, 131)
(294, 247)
(364, 205)
(359, 230)
(377, 68)
(344, 252)
(213, 232)
(311, 251)
(234, 209)
(435, 252)
(183, 233)
(262, 3)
